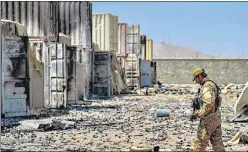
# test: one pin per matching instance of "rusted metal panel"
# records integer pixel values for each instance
(15, 76)
(143, 47)
(75, 21)
(133, 39)
(101, 75)
(145, 73)
(55, 75)
(40, 18)
(122, 38)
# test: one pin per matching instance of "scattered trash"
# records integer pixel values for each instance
(118, 124)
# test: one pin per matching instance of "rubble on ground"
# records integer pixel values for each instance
(119, 124)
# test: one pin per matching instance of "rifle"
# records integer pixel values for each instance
(196, 105)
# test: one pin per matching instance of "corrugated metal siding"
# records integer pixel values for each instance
(37, 78)
(37, 84)
(143, 47)
(105, 31)
(149, 49)
(121, 38)
(39, 17)
(133, 39)
(75, 20)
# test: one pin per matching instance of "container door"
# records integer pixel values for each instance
(101, 77)
(15, 76)
(57, 75)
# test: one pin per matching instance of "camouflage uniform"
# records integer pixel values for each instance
(210, 121)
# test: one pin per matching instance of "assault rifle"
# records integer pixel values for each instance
(196, 105)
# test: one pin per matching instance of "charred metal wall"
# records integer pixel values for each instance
(40, 18)
(15, 76)
(102, 75)
(75, 20)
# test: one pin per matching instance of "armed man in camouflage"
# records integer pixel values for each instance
(210, 117)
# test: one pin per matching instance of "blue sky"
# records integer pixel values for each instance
(210, 27)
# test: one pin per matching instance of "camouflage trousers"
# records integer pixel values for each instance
(209, 131)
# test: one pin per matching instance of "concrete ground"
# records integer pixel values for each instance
(125, 121)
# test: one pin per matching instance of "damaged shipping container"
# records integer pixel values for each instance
(15, 76)
(75, 21)
(105, 32)
(40, 18)
(102, 75)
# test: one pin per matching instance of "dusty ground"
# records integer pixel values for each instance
(129, 121)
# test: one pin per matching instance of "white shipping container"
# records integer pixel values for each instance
(105, 31)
